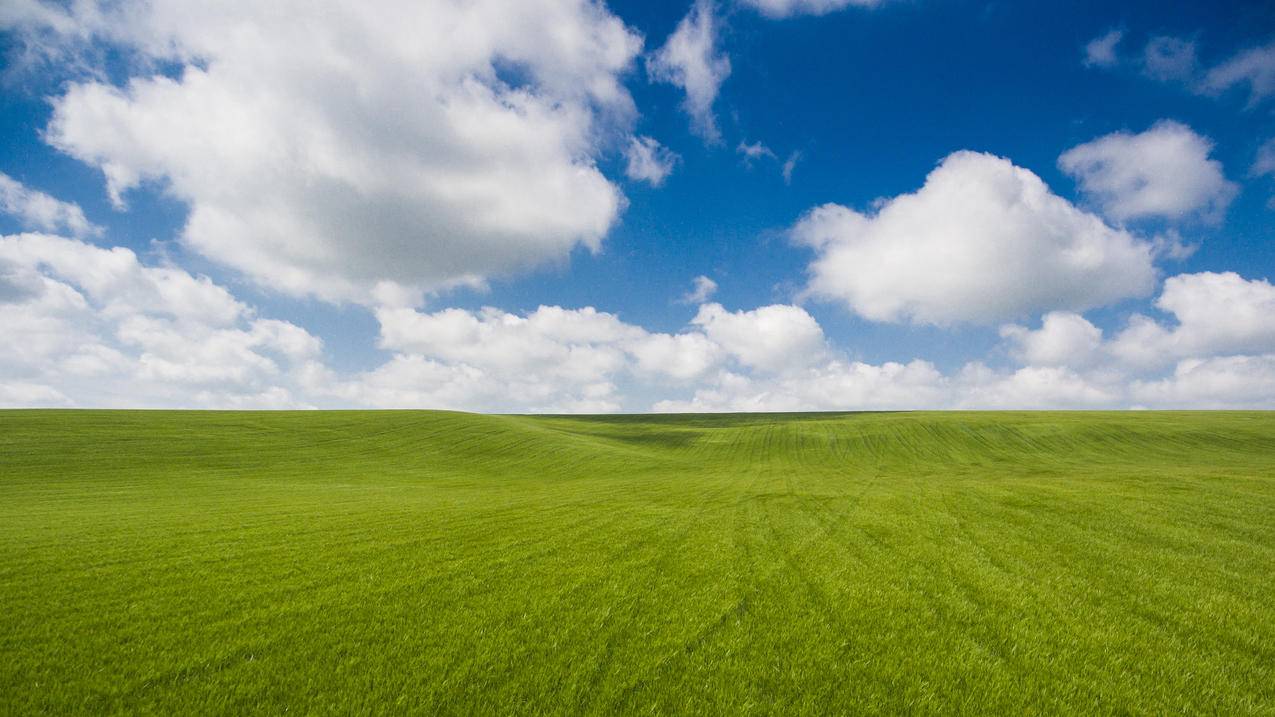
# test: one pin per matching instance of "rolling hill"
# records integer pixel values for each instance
(448, 563)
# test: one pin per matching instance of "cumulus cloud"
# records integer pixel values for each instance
(1101, 51)
(776, 358)
(576, 344)
(89, 326)
(1064, 339)
(1162, 172)
(982, 241)
(569, 360)
(678, 357)
(788, 8)
(1172, 245)
(36, 210)
(354, 152)
(1218, 382)
(702, 289)
(649, 161)
(829, 386)
(1219, 350)
(690, 59)
(553, 359)
(94, 326)
(16, 394)
(771, 338)
(772, 358)
(979, 387)
(854, 385)
(23, 13)
(1215, 314)
(411, 381)
(1221, 382)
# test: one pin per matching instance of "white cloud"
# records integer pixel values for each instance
(853, 385)
(88, 326)
(789, 165)
(96, 327)
(649, 161)
(356, 151)
(691, 60)
(776, 358)
(1254, 67)
(1064, 339)
(1169, 59)
(115, 282)
(702, 290)
(788, 8)
(680, 357)
(1220, 353)
(1264, 162)
(557, 359)
(37, 210)
(771, 338)
(22, 13)
(578, 346)
(1221, 382)
(32, 395)
(835, 385)
(982, 241)
(1162, 172)
(1216, 314)
(979, 387)
(412, 381)
(1220, 312)
(753, 151)
(1173, 59)
(553, 359)
(1170, 244)
(1101, 51)
(36, 32)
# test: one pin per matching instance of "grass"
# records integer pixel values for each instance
(338, 562)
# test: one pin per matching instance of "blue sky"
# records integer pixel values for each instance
(340, 209)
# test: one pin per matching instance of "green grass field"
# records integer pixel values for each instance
(338, 562)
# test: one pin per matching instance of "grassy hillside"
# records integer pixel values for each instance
(450, 563)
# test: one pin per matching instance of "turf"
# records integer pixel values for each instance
(338, 562)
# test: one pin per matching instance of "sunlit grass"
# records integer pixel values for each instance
(987, 563)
